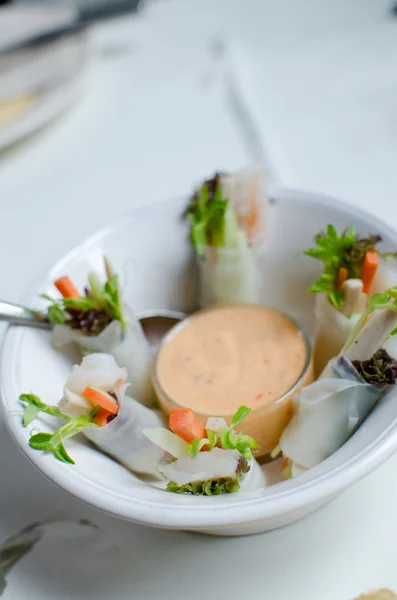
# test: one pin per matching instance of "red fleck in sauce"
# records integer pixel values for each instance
(227, 356)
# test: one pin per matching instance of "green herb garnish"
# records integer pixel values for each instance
(92, 312)
(227, 438)
(387, 299)
(213, 220)
(34, 406)
(53, 442)
(347, 251)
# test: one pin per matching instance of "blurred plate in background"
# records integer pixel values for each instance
(37, 84)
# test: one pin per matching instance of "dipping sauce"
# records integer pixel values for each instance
(226, 356)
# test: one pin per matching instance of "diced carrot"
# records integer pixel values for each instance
(183, 422)
(101, 399)
(370, 265)
(342, 277)
(101, 418)
(67, 288)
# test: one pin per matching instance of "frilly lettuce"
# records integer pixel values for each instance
(212, 487)
(214, 222)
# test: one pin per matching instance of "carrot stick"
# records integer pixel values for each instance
(101, 399)
(342, 277)
(101, 418)
(370, 265)
(67, 288)
(184, 423)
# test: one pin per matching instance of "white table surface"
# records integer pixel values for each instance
(152, 122)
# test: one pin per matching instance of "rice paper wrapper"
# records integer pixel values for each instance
(129, 348)
(246, 192)
(216, 464)
(229, 276)
(254, 479)
(328, 412)
(385, 277)
(333, 329)
(123, 439)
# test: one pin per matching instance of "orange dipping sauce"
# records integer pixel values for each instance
(226, 356)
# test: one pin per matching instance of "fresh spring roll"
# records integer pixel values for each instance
(95, 403)
(328, 411)
(98, 321)
(353, 268)
(227, 222)
(207, 461)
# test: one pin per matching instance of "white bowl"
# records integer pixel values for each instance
(164, 276)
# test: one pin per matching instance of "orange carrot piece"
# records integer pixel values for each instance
(184, 423)
(342, 277)
(370, 265)
(101, 399)
(101, 418)
(67, 288)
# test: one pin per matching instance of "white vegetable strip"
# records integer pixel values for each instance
(215, 464)
(167, 441)
(372, 335)
(215, 423)
(73, 404)
(354, 299)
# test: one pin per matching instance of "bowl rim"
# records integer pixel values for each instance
(209, 515)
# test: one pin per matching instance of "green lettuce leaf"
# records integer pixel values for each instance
(213, 221)
(227, 438)
(336, 251)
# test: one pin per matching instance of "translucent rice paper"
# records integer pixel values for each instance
(386, 276)
(328, 412)
(245, 191)
(228, 276)
(129, 348)
(123, 439)
(216, 464)
(334, 328)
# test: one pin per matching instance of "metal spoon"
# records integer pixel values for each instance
(19, 315)
(155, 323)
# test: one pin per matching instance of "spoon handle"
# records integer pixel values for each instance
(19, 315)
